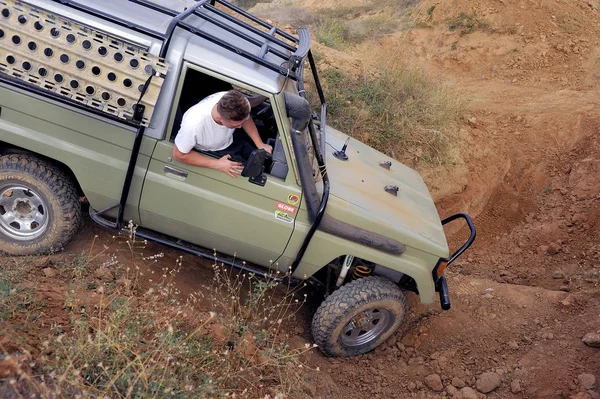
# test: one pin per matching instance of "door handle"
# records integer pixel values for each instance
(174, 171)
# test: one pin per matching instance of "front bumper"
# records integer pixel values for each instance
(441, 286)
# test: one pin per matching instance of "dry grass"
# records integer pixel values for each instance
(344, 26)
(135, 336)
(394, 110)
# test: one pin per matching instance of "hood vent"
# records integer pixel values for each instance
(392, 190)
(386, 164)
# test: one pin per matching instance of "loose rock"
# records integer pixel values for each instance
(515, 386)
(458, 383)
(558, 274)
(104, 274)
(586, 381)
(568, 301)
(553, 249)
(592, 339)
(487, 382)
(434, 382)
(451, 390)
(49, 272)
(467, 393)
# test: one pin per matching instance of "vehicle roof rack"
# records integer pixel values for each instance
(273, 38)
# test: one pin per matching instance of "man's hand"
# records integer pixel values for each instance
(232, 168)
(268, 148)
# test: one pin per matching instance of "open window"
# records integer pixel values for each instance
(197, 85)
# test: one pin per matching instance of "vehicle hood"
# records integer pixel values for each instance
(357, 194)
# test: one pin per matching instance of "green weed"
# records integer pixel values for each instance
(466, 23)
(430, 11)
(332, 32)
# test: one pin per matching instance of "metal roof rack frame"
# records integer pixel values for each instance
(207, 10)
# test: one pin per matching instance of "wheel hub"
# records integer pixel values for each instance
(24, 209)
(366, 327)
(23, 213)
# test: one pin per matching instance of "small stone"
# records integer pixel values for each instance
(592, 339)
(401, 346)
(472, 122)
(468, 393)
(553, 249)
(451, 390)
(412, 386)
(586, 381)
(392, 341)
(488, 296)
(542, 249)
(458, 383)
(513, 344)
(568, 301)
(434, 382)
(487, 382)
(558, 274)
(515, 386)
(104, 274)
(49, 272)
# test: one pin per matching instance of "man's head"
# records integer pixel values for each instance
(233, 109)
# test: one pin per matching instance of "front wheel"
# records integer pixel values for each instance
(39, 206)
(358, 317)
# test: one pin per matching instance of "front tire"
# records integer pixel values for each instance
(358, 317)
(39, 206)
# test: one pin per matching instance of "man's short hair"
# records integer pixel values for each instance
(233, 106)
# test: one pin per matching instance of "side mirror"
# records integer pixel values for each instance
(254, 167)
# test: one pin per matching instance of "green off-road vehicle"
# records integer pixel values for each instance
(91, 98)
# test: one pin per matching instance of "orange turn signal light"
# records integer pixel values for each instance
(441, 268)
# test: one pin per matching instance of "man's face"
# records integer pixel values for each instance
(233, 124)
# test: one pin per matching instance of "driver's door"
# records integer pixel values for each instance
(209, 208)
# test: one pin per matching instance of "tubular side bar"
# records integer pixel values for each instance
(441, 286)
(239, 265)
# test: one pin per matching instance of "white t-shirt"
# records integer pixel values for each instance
(199, 130)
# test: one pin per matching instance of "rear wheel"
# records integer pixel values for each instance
(358, 317)
(39, 206)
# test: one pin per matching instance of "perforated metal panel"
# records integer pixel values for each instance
(77, 62)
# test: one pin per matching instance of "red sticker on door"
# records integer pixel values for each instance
(286, 208)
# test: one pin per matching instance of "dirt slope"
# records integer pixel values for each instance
(528, 290)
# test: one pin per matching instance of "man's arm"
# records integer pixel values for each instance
(252, 132)
(222, 164)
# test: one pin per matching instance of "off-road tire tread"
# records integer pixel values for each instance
(341, 302)
(64, 191)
